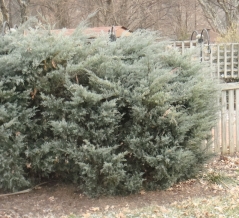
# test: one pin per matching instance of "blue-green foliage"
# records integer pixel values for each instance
(114, 117)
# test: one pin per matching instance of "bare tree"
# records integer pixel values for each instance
(176, 19)
(61, 13)
(105, 12)
(221, 14)
(133, 14)
(182, 18)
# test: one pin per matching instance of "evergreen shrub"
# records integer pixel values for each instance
(113, 117)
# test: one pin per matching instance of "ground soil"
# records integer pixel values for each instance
(62, 200)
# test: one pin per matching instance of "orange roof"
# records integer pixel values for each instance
(96, 31)
(67, 32)
(119, 31)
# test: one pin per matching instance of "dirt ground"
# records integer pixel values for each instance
(63, 200)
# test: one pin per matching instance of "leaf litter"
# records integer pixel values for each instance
(214, 193)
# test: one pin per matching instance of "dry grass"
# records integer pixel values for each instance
(220, 206)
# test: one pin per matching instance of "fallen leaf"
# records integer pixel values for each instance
(95, 208)
(217, 187)
(169, 189)
(28, 165)
(219, 209)
(207, 214)
(195, 204)
(86, 215)
(233, 207)
(125, 209)
(237, 162)
(38, 187)
(120, 215)
(163, 209)
(142, 192)
(51, 198)
(174, 203)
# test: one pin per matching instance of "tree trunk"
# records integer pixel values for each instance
(10, 12)
(230, 11)
(23, 9)
(4, 11)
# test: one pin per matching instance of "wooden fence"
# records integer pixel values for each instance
(226, 132)
(224, 62)
(223, 58)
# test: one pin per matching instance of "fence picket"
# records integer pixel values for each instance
(224, 123)
(231, 120)
(237, 120)
(225, 60)
(218, 61)
(216, 133)
(232, 60)
(237, 56)
(183, 45)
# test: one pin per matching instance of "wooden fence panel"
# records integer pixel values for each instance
(226, 132)
(224, 62)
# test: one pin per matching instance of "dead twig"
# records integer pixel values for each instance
(24, 191)
(77, 80)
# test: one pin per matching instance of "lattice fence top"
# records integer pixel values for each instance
(223, 58)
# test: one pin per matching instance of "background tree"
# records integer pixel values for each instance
(61, 13)
(179, 19)
(15, 11)
(3, 12)
(221, 14)
(23, 5)
(174, 19)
